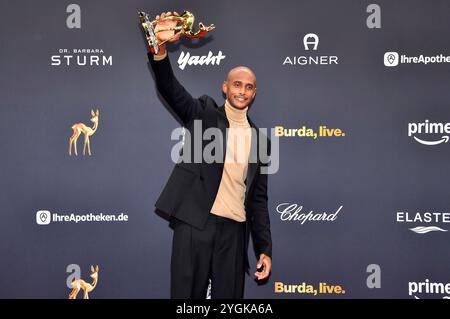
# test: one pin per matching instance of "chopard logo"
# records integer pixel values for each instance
(294, 212)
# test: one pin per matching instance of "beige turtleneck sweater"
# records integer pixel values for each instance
(230, 198)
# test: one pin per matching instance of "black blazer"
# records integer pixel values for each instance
(192, 187)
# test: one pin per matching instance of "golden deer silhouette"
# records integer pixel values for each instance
(79, 284)
(79, 128)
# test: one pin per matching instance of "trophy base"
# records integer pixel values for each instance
(149, 32)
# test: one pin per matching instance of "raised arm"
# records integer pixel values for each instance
(180, 101)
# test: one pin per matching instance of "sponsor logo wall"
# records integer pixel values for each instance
(354, 96)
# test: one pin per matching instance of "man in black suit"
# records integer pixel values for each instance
(214, 207)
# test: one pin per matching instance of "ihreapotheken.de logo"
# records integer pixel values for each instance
(394, 59)
(44, 217)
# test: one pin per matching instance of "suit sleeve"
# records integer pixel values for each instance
(179, 100)
(260, 221)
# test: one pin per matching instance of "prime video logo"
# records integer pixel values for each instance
(393, 59)
(442, 129)
(418, 289)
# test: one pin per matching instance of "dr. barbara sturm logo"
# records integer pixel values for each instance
(44, 217)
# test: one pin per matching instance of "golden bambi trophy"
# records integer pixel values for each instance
(185, 24)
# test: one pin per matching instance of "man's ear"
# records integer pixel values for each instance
(224, 87)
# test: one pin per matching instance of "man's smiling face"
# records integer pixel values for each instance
(240, 87)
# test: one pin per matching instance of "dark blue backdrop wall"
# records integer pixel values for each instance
(381, 179)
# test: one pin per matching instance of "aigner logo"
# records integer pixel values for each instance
(311, 42)
(311, 39)
(79, 128)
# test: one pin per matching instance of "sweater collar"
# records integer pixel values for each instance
(235, 115)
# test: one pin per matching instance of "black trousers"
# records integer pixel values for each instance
(215, 253)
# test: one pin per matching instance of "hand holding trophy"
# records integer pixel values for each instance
(167, 28)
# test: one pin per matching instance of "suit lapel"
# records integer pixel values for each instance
(222, 124)
(253, 158)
